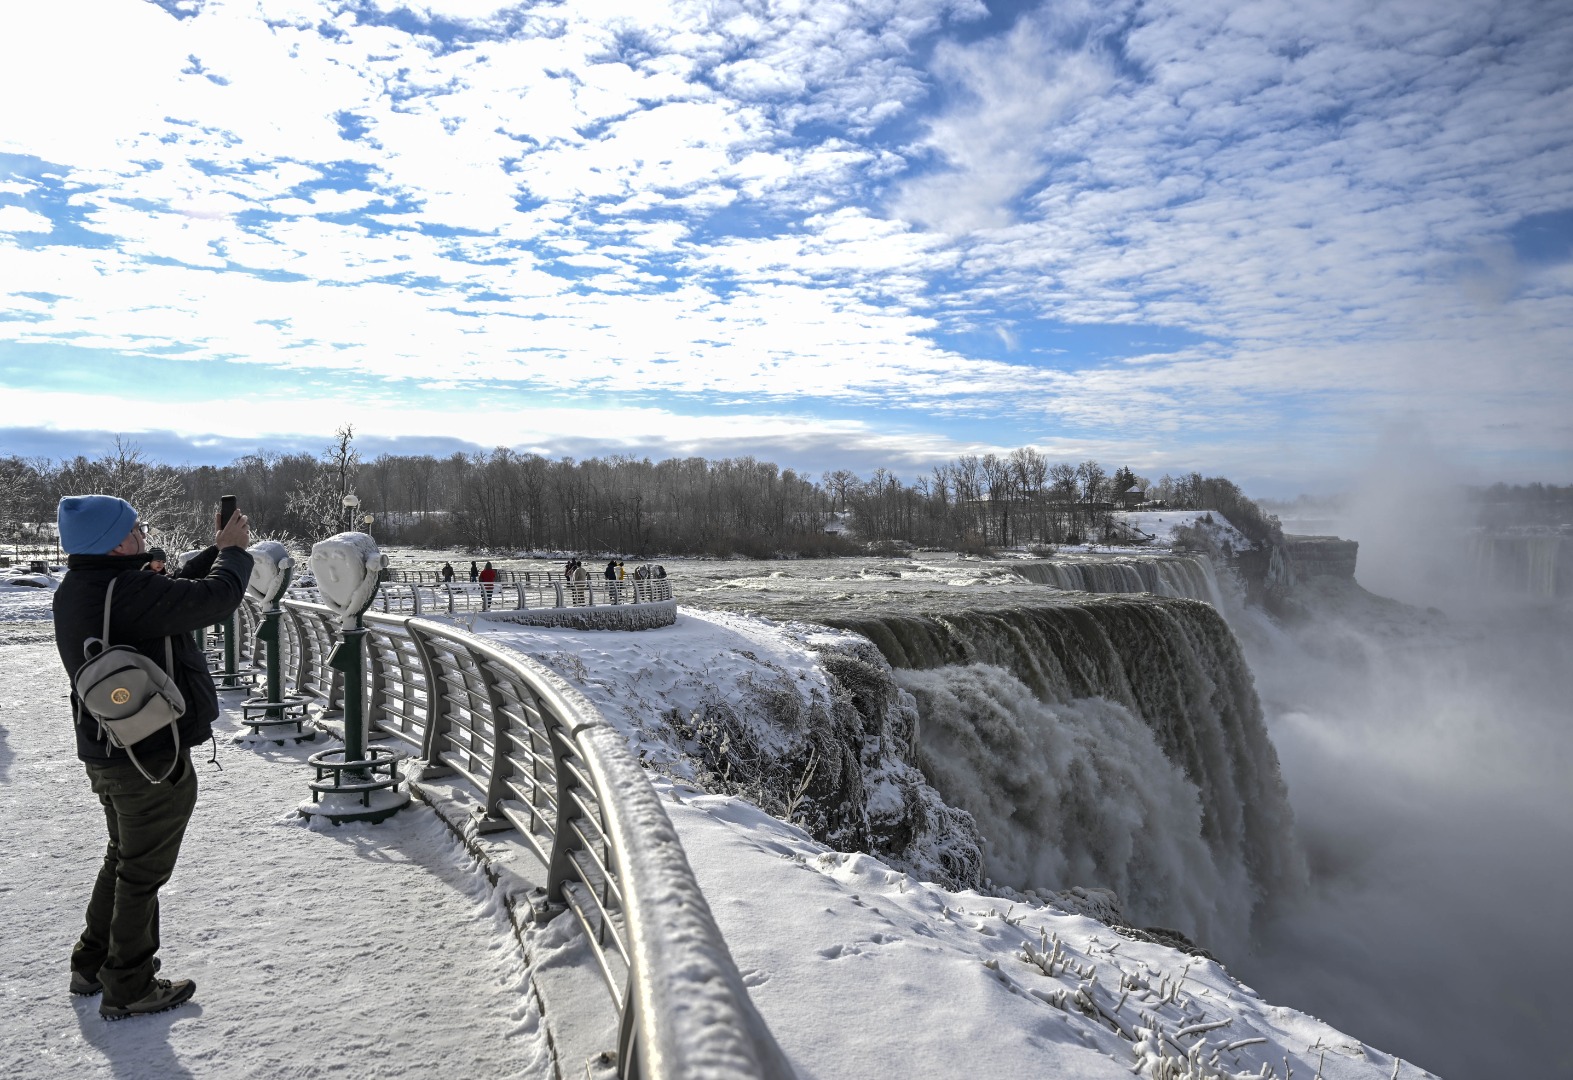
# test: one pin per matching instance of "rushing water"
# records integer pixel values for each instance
(1107, 741)
(1109, 737)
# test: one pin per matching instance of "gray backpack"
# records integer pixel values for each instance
(129, 695)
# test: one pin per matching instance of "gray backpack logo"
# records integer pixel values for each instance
(129, 695)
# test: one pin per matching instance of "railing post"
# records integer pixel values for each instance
(628, 1031)
(376, 683)
(437, 705)
(450, 598)
(557, 587)
(302, 650)
(488, 818)
(519, 587)
(559, 871)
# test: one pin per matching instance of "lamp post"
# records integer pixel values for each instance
(358, 782)
(351, 502)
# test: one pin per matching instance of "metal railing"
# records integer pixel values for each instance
(545, 763)
(528, 577)
(440, 599)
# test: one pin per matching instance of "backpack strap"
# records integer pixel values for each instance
(109, 594)
(101, 641)
(175, 734)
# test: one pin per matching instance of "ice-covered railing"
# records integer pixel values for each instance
(544, 763)
(542, 592)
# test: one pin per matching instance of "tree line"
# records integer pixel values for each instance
(507, 501)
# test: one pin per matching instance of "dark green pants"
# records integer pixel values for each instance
(146, 824)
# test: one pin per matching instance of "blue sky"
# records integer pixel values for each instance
(1248, 238)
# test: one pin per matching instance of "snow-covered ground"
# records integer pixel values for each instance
(382, 946)
(317, 951)
(1163, 524)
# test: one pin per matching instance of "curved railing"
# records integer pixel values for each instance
(439, 599)
(545, 763)
(527, 577)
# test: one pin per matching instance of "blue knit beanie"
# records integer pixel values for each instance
(94, 524)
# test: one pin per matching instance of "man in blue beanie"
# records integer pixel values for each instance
(155, 615)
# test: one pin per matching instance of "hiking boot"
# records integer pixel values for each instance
(163, 995)
(82, 986)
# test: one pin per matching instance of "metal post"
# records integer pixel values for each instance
(269, 635)
(488, 817)
(346, 657)
(229, 677)
(560, 866)
(231, 648)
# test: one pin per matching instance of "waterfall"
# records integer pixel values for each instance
(1188, 576)
(1112, 741)
(1537, 565)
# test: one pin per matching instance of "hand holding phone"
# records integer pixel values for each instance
(233, 529)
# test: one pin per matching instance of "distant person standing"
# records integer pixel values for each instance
(106, 590)
(447, 573)
(475, 571)
(488, 579)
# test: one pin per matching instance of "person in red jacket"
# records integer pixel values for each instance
(488, 580)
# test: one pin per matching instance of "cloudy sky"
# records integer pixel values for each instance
(1245, 237)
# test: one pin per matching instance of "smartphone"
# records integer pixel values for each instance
(226, 510)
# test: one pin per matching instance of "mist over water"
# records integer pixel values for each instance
(1429, 758)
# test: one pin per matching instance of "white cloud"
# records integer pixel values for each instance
(706, 198)
(18, 219)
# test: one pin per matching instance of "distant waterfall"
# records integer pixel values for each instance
(1114, 741)
(1537, 565)
(1187, 576)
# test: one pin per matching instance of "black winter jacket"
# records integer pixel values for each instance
(147, 607)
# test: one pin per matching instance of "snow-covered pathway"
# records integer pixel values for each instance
(317, 951)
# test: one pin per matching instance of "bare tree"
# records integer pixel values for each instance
(315, 506)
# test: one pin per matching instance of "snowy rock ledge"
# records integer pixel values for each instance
(601, 617)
